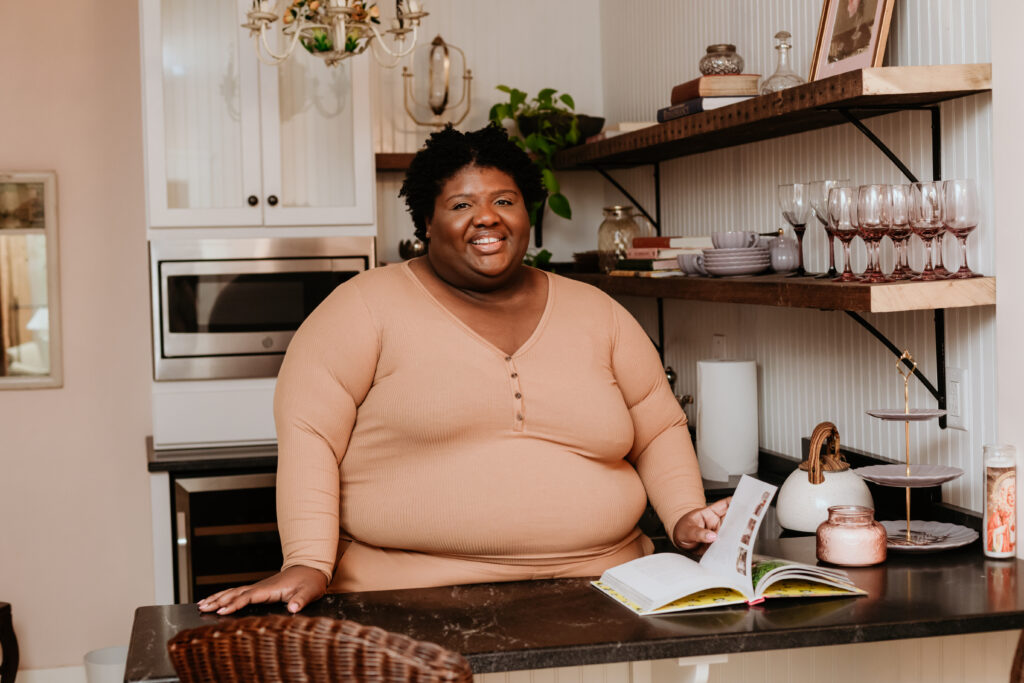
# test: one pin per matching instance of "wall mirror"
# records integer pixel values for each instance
(30, 349)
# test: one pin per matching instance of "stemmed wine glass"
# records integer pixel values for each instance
(795, 207)
(960, 217)
(874, 206)
(842, 220)
(818, 193)
(926, 220)
(900, 231)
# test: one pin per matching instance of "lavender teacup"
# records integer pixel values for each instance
(692, 263)
(736, 239)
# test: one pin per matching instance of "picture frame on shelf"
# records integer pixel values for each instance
(851, 35)
(30, 335)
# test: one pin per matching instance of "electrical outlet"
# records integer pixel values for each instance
(718, 346)
(956, 398)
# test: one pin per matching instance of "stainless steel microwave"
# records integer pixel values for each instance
(227, 308)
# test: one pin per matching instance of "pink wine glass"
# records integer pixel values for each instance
(926, 220)
(842, 220)
(873, 223)
(960, 211)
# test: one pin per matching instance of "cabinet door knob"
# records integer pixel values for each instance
(253, 200)
(272, 200)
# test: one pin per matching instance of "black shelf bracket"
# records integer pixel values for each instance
(939, 393)
(656, 218)
(848, 114)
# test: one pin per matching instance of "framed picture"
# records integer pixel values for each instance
(30, 338)
(851, 35)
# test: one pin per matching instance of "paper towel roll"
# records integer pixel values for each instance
(727, 441)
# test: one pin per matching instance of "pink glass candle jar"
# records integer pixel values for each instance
(851, 537)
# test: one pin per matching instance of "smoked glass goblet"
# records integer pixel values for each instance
(818, 195)
(874, 205)
(795, 207)
(960, 217)
(900, 231)
(926, 220)
(842, 220)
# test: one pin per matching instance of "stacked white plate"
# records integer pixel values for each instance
(741, 261)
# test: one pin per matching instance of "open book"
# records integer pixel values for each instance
(728, 573)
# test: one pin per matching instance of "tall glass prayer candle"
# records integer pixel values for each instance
(1000, 521)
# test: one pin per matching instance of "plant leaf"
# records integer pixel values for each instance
(550, 181)
(504, 88)
(560, 205)
(567, 98)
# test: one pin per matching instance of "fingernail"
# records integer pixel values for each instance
(710, 536)
(222, 610)
(293, 607)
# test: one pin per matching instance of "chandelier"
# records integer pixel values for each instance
(334, 30)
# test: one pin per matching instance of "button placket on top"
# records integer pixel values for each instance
(518, 413)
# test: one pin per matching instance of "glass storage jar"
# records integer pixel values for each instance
(851, 537)
(720, 59)
(615, 235)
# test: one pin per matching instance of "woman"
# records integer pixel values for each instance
(464, 418)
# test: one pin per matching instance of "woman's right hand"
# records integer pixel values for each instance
(298, 586)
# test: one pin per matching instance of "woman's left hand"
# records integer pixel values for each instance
(699, 526)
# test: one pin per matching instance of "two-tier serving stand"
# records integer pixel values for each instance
(915, 535)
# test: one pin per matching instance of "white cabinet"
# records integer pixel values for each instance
(231, 141)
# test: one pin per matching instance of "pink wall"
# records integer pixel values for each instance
(75, 541)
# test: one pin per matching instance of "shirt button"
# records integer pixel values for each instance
(508, 358)
(514, 375)
(519, 416)
(518, 395)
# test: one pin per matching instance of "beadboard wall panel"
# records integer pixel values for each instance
(815, 366)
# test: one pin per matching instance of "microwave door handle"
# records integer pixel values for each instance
(343, 265)
(244, 267)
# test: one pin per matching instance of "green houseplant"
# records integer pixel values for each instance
(545, 124)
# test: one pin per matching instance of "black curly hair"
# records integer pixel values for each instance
(448, 151)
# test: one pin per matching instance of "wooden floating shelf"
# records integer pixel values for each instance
(805, 292)
(394, 161)
(794, 110)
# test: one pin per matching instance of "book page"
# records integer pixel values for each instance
(729, 558)
(656, 580)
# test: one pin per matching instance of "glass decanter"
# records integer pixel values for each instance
(784, 76)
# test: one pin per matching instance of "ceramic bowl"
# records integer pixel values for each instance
(734, 239)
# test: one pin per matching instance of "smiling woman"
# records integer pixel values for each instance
(463, 418)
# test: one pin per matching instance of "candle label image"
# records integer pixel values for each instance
(1000, 510)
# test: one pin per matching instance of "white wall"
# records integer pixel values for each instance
(74, 498)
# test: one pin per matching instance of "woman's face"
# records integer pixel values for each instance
(480, 229)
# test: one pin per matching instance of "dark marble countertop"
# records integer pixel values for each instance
(566, 622)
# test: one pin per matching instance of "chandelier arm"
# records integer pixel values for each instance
(274, 56)
(399, 54)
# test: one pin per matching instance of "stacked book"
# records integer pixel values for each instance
(707, 93)
(658, 256)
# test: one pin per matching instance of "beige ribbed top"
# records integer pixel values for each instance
(447, 461)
